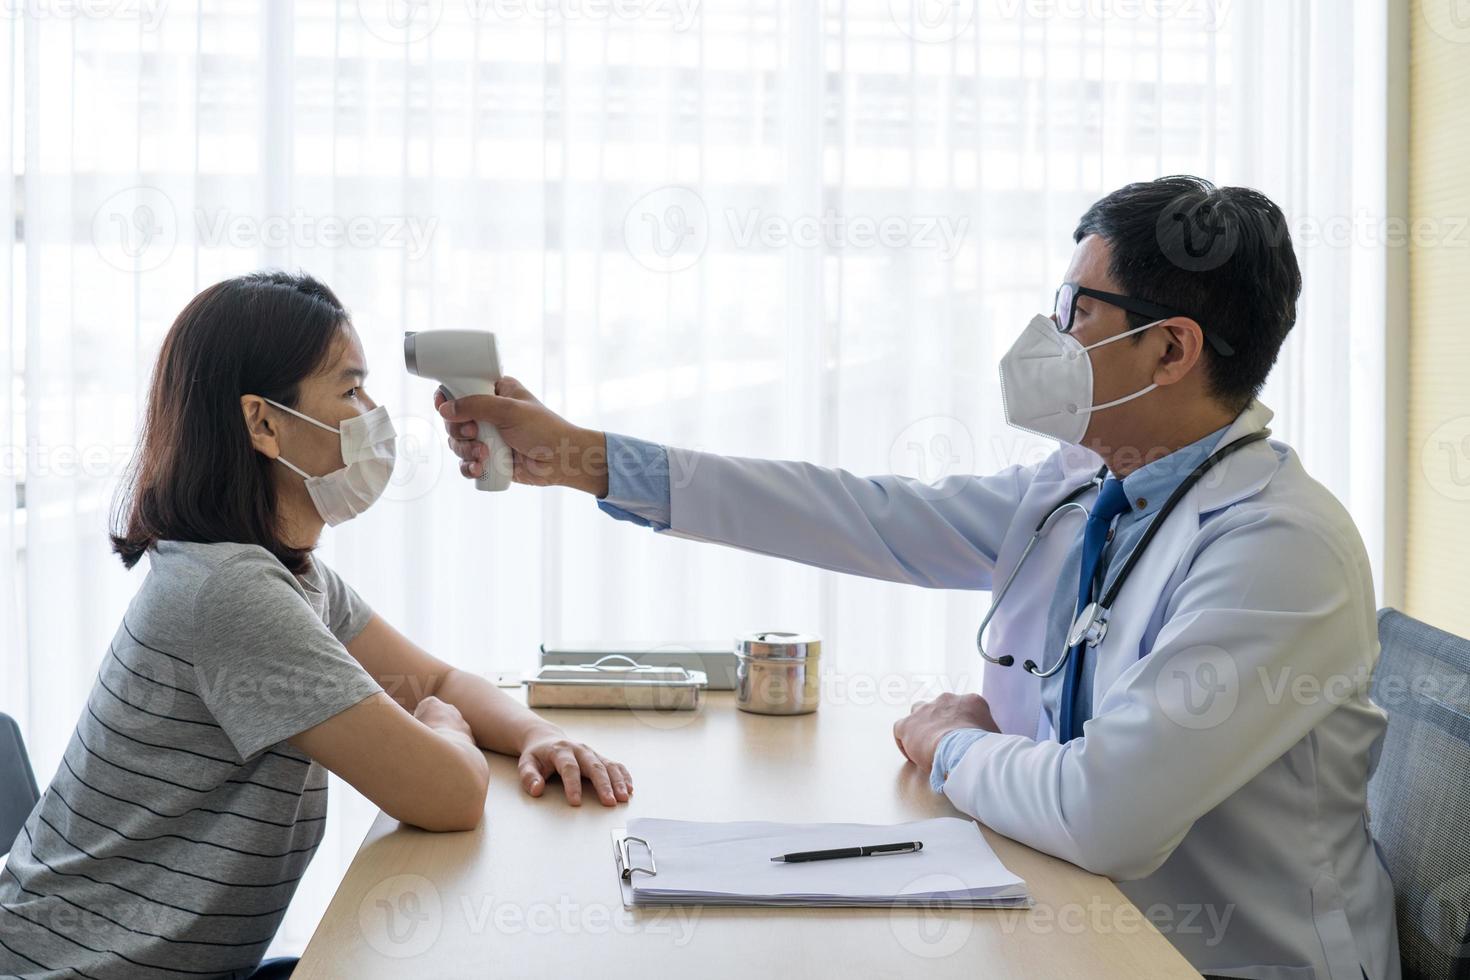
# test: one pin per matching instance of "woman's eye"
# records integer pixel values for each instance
(351, 392)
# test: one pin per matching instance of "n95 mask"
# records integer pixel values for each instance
(369, 450)
(1046, 381)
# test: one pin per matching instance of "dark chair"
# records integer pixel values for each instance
(18, 793)
(1419, 796)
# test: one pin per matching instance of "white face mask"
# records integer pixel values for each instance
(1046, 381)
(368, 452)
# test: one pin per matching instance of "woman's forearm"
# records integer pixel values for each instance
(499, 722)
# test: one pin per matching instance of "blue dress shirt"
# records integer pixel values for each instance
(638, 491)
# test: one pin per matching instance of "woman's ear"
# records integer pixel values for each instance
(259, 424)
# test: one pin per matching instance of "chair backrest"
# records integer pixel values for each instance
(18, 793)
(1419, 796)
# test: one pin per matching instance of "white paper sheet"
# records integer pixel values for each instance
(730, 863)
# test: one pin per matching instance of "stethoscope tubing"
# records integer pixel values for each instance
(1099, 611)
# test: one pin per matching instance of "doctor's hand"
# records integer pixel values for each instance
(547, 449)
(918, 736)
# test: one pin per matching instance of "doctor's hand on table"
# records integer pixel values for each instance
(918, 736)
(547, 449)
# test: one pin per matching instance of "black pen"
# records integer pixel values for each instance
(867, 850)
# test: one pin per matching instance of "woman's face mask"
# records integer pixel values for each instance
(368, 456)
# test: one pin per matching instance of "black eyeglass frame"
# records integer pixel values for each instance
(1132, 305)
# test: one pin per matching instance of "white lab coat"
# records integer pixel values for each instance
(1221, 779)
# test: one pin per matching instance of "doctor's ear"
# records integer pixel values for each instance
(260, 425)
(1186, 343)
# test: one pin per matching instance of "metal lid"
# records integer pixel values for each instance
(778, 645)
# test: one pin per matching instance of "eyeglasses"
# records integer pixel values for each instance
(1070, 293)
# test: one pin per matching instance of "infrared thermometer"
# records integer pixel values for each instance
(465, 362)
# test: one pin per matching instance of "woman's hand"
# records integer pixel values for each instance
(547, 449)
(548, 750)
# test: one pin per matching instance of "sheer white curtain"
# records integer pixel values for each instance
(791, 229)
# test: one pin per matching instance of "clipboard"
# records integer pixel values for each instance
(628, 863)
(741, 873)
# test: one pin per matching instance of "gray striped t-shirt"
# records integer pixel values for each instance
(172, 837)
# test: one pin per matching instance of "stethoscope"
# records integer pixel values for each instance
(1091, 625)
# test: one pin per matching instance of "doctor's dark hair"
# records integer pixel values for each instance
(1220, 255)
(195, 475)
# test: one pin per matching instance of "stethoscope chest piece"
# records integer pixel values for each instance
(1090, 626)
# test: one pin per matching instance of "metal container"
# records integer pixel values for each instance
(616, 682)
(777, 673)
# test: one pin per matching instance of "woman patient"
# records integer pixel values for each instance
(194, 790)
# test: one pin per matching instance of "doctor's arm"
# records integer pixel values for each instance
(1217, 700)
(946, 535)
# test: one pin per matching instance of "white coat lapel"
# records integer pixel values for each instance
(1240, 476)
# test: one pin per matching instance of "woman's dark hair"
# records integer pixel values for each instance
(195, 475)
(1221, 255)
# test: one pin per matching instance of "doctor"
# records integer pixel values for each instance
(1183, 619)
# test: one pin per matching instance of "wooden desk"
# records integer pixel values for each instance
(533, 892)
